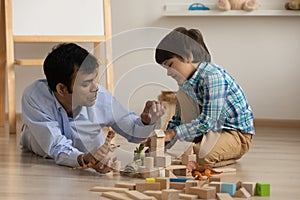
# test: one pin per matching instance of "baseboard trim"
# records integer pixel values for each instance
(286, 123)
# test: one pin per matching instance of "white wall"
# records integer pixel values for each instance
(262, 53)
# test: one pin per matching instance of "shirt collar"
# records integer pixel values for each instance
(195, 77)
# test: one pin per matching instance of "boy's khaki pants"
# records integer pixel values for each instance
(216, 149)
(229, 146)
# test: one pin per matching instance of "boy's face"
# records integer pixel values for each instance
(85, 87)
(179, 69)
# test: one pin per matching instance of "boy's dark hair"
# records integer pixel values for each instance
(180, 43)
(64, 60)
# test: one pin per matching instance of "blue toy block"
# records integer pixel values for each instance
(229, 188)
(178, 180)
(262, 189)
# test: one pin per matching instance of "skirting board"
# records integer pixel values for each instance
(257, 122)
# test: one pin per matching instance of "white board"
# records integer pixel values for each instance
(58, 17)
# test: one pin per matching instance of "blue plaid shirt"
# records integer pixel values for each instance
(223, 102)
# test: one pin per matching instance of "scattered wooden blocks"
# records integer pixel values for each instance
(164, 182)
(177, 185)
(263, 189)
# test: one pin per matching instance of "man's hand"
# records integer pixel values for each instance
(105, 166)
(152, 112)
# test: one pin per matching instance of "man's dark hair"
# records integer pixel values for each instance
(64, 61)
(181, 43)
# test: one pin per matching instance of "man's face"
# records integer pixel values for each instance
(85, 87)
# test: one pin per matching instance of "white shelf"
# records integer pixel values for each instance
(181, 10)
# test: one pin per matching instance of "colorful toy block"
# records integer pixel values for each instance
(229, 188)
(262, 189)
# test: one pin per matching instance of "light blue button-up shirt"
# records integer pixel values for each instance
(49, 132)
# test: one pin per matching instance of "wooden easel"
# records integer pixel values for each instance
(7, 52)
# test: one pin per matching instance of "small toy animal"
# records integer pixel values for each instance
(198, 171)
(101, 152)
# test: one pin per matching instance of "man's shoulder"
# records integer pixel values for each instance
(37, 88)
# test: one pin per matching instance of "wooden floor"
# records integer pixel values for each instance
(274, 158)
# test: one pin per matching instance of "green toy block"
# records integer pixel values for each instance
(262, 189)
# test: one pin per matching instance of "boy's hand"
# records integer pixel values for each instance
(152, 112)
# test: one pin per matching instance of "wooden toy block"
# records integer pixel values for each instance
(186, 158)
(181, 172)
(157, 142)
(136, 195)
(188, 196)
(150, 180)
(130, 186)
(217, 185)
(214, 179)
(204, 192)
(116, 196)
(164, 182)
(242, 193)
(108, 189)
(250, 187)
(154, 193)
(147, 186)
(169, 173)
(159, 133)
(170, 194)
(157, 152)
(177, 185)
(224, 196)
(162, 161)
(189, 184)
(229, 188)
(176, 162)
(149, 162)
(262, 189)
(182, 180)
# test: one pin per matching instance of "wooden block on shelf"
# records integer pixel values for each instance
(130, 186)
(224, 196)
(170, 194)
(108, 189)
(141, 187)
